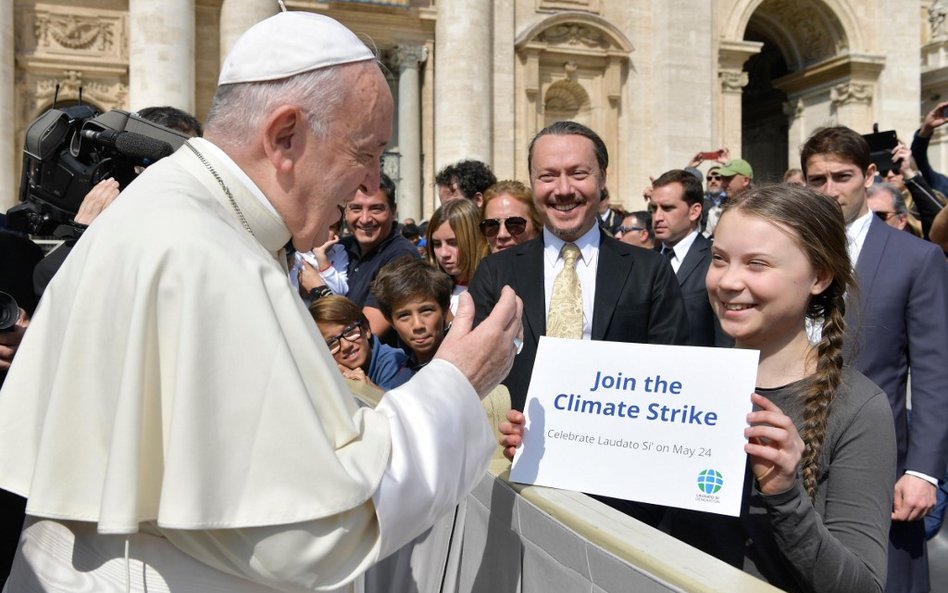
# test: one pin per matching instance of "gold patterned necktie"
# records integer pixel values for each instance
(566, 303)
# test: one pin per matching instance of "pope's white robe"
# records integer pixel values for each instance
(172, 388)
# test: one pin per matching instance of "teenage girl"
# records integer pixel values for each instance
(821, 440)
(455, 244)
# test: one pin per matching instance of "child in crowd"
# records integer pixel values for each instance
(358, 354)
(509, 215)
(414, 297)
(455, 244)
(821, 440)
(326, 265)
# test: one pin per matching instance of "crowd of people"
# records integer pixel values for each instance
(159, 356)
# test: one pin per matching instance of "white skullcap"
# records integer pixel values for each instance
(290, 43)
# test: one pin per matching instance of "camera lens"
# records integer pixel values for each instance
(9, 312)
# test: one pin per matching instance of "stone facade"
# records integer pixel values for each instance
(659, 80)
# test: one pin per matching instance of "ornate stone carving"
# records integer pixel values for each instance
(409, 55)
(733, 81)
(105, 94)
(565, 97)
(936, 20)
(74, 33)
(815, 30)
(850, 92)
(570, 69)
(574, 35)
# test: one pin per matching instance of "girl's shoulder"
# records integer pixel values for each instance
(857, 396)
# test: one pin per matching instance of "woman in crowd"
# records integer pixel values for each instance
(509, 215)
(821, 441)
(415, 296)
(358, 354)
(454, 244)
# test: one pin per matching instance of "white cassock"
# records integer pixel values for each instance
(177, 423)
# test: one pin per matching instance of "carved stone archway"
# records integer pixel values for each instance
(825, 74)
(570, 64)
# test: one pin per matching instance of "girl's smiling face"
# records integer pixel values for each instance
(760, 281)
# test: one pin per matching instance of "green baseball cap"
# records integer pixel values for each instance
(736, 167)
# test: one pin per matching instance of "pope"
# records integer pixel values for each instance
(172, 414)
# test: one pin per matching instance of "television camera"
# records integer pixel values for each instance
(69, 150)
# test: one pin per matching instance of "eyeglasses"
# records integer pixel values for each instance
(712, 177)
(629, 229)
(515, 225)
(350, 333)
(885, 216)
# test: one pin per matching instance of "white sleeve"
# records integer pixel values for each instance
(441, 446)
(336, 276)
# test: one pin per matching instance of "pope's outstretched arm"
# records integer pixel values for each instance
(441, 444)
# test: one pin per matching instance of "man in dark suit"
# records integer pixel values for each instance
(897, 322)
(676, 217)
(628, 294)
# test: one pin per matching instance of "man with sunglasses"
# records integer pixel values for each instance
(636, 229)
(887, 202)
(626, 294)
(898, 324)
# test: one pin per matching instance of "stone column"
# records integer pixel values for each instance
(8, 146)
(407, 58)
(161, 53)
(731, 58)
(732, 88)
(463, 85)
(795, 109)
(239, 15)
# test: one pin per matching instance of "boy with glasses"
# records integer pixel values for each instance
(358, 354)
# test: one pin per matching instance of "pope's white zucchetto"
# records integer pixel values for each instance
(290, 43)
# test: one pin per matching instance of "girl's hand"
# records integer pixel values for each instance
(353, 374)
(512, 431)
(774, 446)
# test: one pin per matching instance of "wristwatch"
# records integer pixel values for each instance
(319, 292)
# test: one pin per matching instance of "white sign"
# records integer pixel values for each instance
(656, 424)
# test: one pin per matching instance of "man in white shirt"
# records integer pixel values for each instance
(897, 322)
(174, 417)
(676, 217)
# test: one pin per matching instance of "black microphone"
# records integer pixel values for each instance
(139, 147)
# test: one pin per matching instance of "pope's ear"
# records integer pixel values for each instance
(284, 136)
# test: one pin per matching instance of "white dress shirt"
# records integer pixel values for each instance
(681, 249)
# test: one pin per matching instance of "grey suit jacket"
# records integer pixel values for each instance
(900, 321)
(637, 300)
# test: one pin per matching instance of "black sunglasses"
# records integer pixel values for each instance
(491, 226)
(884, 215)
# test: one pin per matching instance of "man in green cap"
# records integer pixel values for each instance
(738, 175)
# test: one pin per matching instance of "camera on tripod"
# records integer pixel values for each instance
(68, 151)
